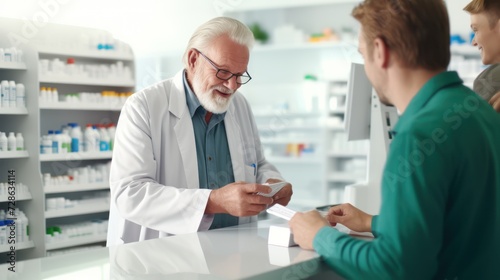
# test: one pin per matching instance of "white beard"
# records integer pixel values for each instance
(210, 100)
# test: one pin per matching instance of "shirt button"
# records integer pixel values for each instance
(209, 158)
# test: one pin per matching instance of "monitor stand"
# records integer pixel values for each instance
(367, 195)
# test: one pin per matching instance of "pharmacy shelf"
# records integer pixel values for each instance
(80, 209)
(336, 127)
(338, 111)
(14, 154)
(86, 53)
(87, 81)
(465, 49)
(293, 127)
(295, 160)
(18, 197)
(342, 177)
(76, 188)
(80, 106)
(76, 156)
(288, 115)
(255, 5)
(303, 46)
(13, 65)
(19, 246)
(76, 241)
(13, 111)
(289, 141)
(341, 154)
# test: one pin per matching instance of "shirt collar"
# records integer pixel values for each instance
(432, 87)
(192, 101)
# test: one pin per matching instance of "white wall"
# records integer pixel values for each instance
(459, 19)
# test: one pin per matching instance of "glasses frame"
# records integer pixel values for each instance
(246, 74)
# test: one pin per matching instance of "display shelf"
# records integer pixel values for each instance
(24, 196)
(14, 154)
(293, 127)
(80, 209)
(344, 154)
(255, 5)
(337, 111)
(12, 65)
(304, 46)
(465, 49)
(86, 53)
(295, 160)
(19, 246)
(289, 140)
(76, 156)
(288, 115)
(343, 177)
(76, 188)
(87, 81)
(76, 241)
(80, 106)
(13, 111)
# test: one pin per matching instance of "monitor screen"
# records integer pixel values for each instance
(358, 102)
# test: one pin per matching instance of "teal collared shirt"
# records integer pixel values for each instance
(440, 213)
(215, 169)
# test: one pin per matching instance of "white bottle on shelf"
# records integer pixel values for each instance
(2, 55)
(3, 142)
(55, 143)
(11, 141)
(76, 138)
(55, 95)
(19, 142)
(61, 147)
(5, 94)
(104, 139)
(20, 56)
(13, 95)
(89, 139)
(20, 96)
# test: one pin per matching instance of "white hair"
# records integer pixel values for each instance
(207, 32)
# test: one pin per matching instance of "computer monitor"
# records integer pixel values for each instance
(358, 103)
(367, 118)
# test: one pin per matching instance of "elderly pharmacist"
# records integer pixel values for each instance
(187, 153)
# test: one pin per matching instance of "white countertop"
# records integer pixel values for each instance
(238, 252)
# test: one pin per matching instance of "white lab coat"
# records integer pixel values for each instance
(154, 172)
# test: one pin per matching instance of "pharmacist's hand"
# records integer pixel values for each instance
(351, 217)
(495, 102)
(238, 199)
(284, 195)
(305, 226)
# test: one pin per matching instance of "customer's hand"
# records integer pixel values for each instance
(305, 226)
(351, 217)
(495, 102)
(239, 199)
(284, 195)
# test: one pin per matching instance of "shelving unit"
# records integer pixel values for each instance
(76, 241)
(52, 114)
(24, 163)
(38, 117)
(287, 111)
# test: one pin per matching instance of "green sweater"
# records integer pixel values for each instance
(440, 213)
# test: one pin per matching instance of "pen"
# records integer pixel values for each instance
(254, 168)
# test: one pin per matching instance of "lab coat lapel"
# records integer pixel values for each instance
(235, 143)
(184, 132)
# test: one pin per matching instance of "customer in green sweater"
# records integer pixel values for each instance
(440, 212)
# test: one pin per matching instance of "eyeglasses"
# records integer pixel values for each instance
(225, 75)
